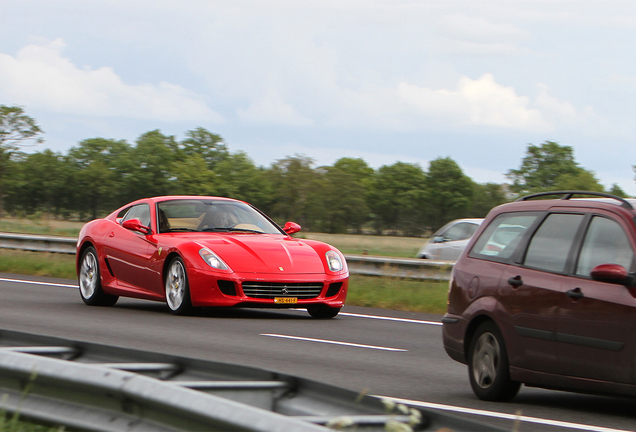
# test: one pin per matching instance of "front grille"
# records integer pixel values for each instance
(269, 290)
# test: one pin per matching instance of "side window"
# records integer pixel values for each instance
(460, 231)
(551, 244)
(500, 239)
(141, 212)
(605, 243)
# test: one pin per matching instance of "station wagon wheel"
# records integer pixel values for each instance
(488, 367)
(90, 285)
(322, 311)
(177, 290)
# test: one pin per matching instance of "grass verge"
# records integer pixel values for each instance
(398, 294)
(369, 291)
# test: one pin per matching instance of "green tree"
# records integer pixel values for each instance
(100, 167)
(39, 181)
(583, 180)
(205, 144)
(152, 161)
(239, 178)
(16, 130)
(397, 197)
(548, 166)
(485, 197)
(293, 179)
(616, 190)
(450, 192)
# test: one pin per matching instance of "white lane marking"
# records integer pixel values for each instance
(505, 416)
(38, 283)
(406, 320)
(391, 318)
(333, 342)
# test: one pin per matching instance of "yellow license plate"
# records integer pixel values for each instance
(285, 300)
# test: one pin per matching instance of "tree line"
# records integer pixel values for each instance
(99, 175)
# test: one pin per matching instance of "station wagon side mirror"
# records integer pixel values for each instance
(439, 239)
(291, 228)
(135, 225)
(613, 273)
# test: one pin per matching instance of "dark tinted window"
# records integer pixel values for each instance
(500, 239)
(551, 244)
(605, 243)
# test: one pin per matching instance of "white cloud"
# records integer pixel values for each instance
(40, 77)
(469, 35)
(272, 109)
(481, 102)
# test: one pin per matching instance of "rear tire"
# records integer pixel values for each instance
(488, 366)
(322, 311)
(90, 282)
(177, 289)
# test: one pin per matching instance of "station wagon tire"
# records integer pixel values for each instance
(322, 311)
(90, 283)
(177, 289)
(488, 366)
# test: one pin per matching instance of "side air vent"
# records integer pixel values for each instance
(227, 287)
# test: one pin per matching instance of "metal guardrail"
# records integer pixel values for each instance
(96, 387)
(408, 268)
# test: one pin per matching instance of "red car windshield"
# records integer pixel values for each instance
(205, 215)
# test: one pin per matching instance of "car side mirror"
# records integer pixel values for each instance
(135, 225)
(291, 228)
(612, 273)
(439, 239)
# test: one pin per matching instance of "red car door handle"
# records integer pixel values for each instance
(515, 281)
(575, 293)
(112, 234)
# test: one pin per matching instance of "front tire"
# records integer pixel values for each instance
(90, 283)
(322, 311)
(488, 366)
(177, 289)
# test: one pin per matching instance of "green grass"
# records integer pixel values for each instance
(41, 226)
(13, 423)
(398, 294)
(37, 263)
(370, 291)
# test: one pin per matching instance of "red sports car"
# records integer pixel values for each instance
(192, 251)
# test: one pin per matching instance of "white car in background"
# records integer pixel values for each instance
(450, 240)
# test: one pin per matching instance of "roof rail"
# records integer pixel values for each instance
(568, 195)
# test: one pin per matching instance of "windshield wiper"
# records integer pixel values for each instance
(221, 229)
(181, 229)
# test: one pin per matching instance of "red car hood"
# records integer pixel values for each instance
(264, 253)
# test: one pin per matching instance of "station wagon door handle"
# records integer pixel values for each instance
(575, 293)
(515, 281)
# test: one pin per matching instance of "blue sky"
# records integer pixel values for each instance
(385, 81)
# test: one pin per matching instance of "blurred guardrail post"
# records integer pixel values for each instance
(407, 268)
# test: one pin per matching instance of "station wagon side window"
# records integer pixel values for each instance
(502, 236)
(605, 243)
(550, 246)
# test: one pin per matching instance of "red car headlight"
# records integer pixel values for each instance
(334, 261)
(213, 259)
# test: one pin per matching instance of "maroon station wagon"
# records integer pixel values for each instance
(545, 295)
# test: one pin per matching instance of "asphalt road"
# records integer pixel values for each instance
(361, 350)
